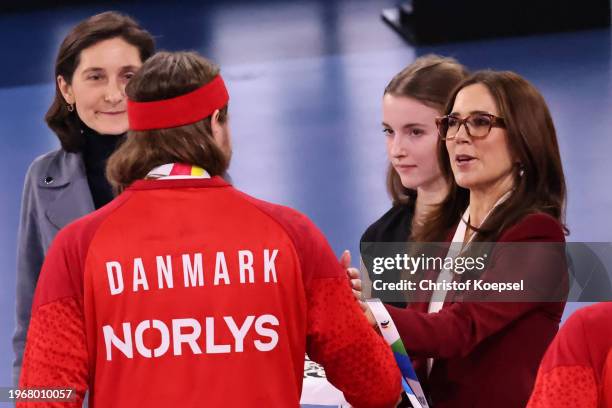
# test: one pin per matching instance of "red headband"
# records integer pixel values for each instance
(178, 111)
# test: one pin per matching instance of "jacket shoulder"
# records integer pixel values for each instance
(535, 227)
(392, 226)
(287, 217)
(311, 245)
(42, 162)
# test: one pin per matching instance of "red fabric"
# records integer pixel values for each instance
(486, 354)
(180, 169)
(178, 111)
(606, 383)
(56, 338)
(573, 370)
(339, 341)
(177, 219)
(565, 387)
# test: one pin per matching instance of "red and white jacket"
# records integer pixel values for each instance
(190, 293)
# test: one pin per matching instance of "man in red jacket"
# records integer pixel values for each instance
(184, 291)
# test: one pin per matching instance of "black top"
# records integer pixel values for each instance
(394, 226)
(96, 151)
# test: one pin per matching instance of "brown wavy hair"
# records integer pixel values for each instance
(163, 76)
(430, 79)
(64, 123)
(532, 141)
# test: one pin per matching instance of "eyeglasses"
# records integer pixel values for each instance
(476, 125)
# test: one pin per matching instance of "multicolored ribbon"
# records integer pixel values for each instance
(410, 381)
(177, 171)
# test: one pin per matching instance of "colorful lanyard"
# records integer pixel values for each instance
(177, 171)
(410, 382)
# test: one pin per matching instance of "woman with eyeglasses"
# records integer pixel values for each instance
(498, 152)
(88, 114)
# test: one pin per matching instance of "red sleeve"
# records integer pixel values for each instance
(606, 383)
(575, 362)
(356, 359)
(56, 349)
(565, 387)
(340, 338)
(566, 377)
(468, 323)
(56, 353)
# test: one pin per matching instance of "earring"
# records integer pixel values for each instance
(70, 107)
(521, 170)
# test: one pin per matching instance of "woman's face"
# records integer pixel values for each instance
(411, 137)
(482, 163)
(98, 85)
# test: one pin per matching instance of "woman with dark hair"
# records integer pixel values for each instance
(525, 159)
(184, 291)
(498, 153)
(88, 114)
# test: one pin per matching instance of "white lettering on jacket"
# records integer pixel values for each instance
(185, 335)
(192, 270)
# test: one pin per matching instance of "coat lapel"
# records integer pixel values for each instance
(73, 196)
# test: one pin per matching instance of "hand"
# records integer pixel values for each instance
(368, 314)
(352, 273)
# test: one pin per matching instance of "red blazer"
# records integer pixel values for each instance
(486, 354)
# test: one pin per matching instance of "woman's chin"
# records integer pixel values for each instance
(410, 182)
(109, 124)
(111, 130)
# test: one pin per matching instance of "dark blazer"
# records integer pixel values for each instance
(486, 354)
(55, 193)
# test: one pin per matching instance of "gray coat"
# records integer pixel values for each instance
(55, 193)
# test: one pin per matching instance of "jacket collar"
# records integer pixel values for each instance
(67, 177)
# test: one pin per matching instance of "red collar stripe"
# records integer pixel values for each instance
(180, 169)
(178, 111)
